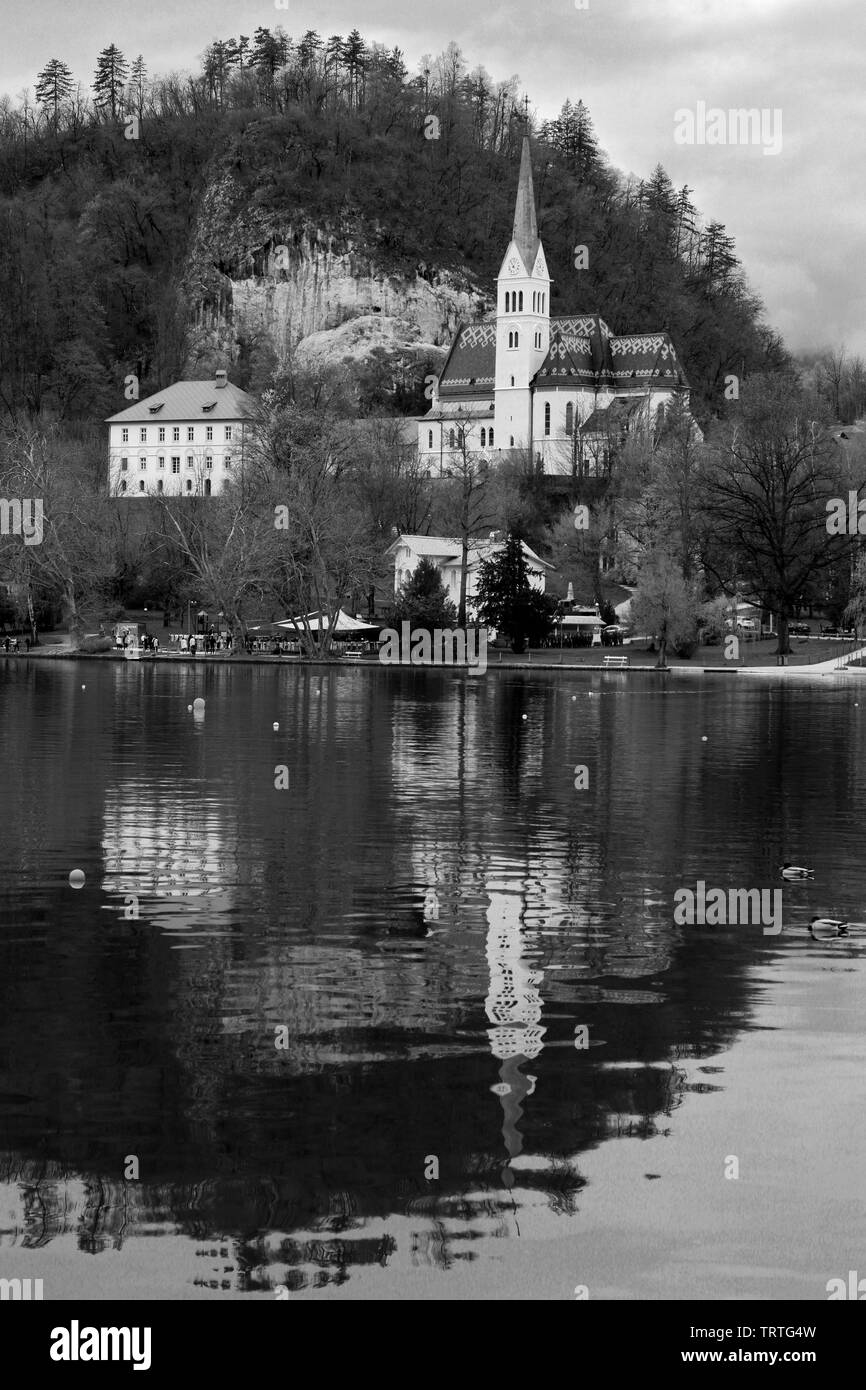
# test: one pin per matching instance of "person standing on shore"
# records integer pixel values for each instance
(193, 644)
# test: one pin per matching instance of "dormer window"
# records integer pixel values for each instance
(211, 405)
(155, 409)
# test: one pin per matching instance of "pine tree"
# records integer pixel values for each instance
(507, 600)
(53, 86)
(109, 81)
(138, 81)
(423, 600)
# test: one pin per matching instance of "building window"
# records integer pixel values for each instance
(227, 461)
(517, 340)
(512, 442)
(207, 487)
(520, 301)
(124, 465)
(124, 436)
(175, 463)
(190, 434)
(175, 434)
(228, 431)
(538, 340)
(189, 460)
(141, 486)
(547, 418)
(159, 485)
(189, 484)
(208, 462)
(451, 440)
(161, 439)
(484, 439)
(512, 381)
(162, 461)
(569, 418)
(123, 485)
(142, 464)
(208, 434)
(507, 302)
(490, 439)
(142, 435)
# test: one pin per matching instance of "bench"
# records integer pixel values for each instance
(619, 662)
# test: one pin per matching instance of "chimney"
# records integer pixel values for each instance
(220, 379)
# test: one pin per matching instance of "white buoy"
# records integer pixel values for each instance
(76, 879)
(189, 707)
(703, 738)
(84, 687)
(524, 716)
(276, 726)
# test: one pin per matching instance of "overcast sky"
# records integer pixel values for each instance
(798, 216)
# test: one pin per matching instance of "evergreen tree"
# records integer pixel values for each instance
(138, 81)
(53, 86)
(423, 600)
(109, 81)
(507, 600)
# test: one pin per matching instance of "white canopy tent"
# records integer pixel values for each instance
(345, 625)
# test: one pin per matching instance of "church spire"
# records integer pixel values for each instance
(525, 233)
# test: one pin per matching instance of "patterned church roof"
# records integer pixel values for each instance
(470, 367)
(583, 352)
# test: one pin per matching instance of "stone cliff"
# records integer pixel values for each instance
(326, 298)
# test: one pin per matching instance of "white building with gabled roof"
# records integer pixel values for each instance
(446, 554)
(185, 440)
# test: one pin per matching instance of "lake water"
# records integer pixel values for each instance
(335, 990)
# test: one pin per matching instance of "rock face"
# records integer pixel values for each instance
(301, 289)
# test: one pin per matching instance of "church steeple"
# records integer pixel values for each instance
(525, 233)
(522, 317)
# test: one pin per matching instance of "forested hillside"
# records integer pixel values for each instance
(98, 272)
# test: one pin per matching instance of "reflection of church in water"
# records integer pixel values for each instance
(513, 1006)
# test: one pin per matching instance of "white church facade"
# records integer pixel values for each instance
(557, 389)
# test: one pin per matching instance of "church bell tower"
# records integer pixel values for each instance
(522, 318)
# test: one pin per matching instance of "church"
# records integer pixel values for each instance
(560, 390)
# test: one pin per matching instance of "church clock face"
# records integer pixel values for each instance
(514, 266)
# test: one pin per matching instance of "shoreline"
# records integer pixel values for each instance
(510, 663)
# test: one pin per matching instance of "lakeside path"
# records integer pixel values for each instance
(811, 658)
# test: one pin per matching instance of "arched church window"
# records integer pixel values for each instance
(451, 439)
(517, 340)
(429, 439)
(490, 439)
(547, 418)
(569, 418)
(520, 301)
(507, 301)
(483, 439)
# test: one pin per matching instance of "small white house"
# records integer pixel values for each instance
(185, 440)
(445, 552)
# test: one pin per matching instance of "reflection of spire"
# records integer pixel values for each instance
(513, 1003)
(513, 1006)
